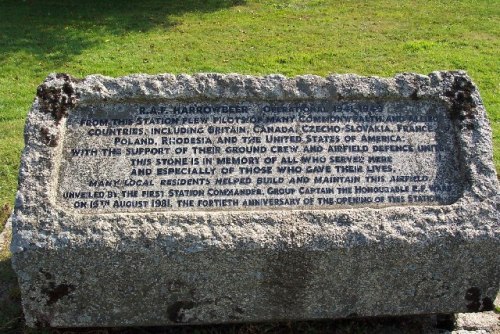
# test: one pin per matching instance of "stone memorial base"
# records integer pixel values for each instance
(360, 197)
(151, 283)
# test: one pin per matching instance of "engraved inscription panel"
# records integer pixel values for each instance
(182, 156)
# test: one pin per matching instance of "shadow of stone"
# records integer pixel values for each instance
(386, 325)
(10, 296)
(54, 31)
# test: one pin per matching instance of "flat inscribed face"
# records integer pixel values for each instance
(230, 156)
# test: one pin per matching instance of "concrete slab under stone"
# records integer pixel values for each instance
(155, 200)
(487, 321)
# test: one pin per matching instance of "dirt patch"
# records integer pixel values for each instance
(5, 211)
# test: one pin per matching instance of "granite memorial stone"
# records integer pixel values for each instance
(153, 200)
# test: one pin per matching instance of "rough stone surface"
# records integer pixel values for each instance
(129, 267)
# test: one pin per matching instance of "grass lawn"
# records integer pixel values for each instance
(292, 37)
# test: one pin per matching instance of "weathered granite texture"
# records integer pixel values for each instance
(127, 269)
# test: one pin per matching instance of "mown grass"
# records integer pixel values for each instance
(292, 37)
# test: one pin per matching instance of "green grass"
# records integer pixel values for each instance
(253, 37)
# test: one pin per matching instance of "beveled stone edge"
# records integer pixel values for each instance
(60, 93)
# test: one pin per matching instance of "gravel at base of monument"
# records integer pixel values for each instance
(127, 266)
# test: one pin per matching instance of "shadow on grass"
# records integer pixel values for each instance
(10, 298)
(54, 31)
